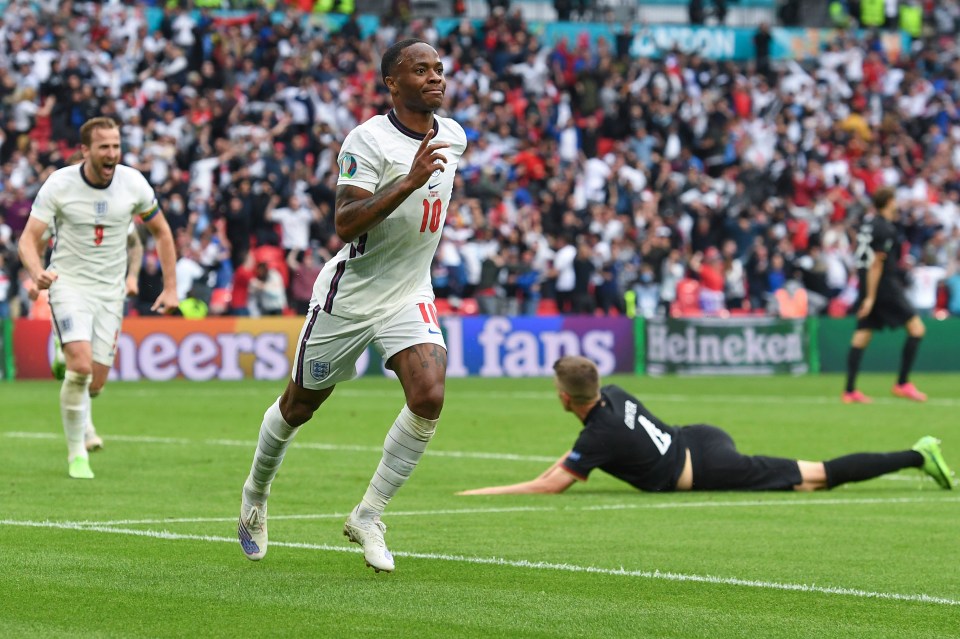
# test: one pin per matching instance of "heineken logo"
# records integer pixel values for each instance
(724, 347)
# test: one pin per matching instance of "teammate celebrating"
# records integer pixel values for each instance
(882, 302)
(91, 205)
(58, 367)
(620, 436)
(396, 178)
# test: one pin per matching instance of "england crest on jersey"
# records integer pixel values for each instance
(99, 211)
(319, 370)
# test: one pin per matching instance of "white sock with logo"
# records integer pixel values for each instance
(402, 449)
(275, 435)
(74, 406)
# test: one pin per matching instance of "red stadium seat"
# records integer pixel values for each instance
(548, 307)
(220, 301)
(469, 306)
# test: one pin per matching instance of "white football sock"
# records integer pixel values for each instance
(402, 449)
(275, 436)
(74, 406)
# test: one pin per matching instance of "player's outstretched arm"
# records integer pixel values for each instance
(554, 480)
(167, 300)
(358, 210)
(31, 251)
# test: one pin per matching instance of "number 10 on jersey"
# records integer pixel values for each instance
(431, 215)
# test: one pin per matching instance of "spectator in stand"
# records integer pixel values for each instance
(527, 280)
(583, 268)
(777, 274)
(923, 283)
(565, 254)
(268, 295)
(709, 269)
(303, 273)
(491, 297)
(734, 278)
(240, 301)
(646, 293)
(149, 285)
(294, 220)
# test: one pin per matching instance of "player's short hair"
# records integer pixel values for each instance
(578, 377)
(86, 131)
(391, 57)
(882, 197)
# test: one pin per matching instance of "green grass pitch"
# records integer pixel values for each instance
(148, 549)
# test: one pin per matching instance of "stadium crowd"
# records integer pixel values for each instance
(594, 182)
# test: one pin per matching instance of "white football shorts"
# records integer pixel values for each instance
(329, 346)
(81, 317)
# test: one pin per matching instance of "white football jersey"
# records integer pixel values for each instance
(389, 265)
(91, 225)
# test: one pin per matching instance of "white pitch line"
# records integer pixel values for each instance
(524, 564)
(251, 444)
(456, 454)
(532, 509)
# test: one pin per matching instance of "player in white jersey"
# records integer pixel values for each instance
(396, 179)
(91, 205)
(91, 440)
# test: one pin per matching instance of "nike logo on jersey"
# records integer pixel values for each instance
(433, 186)
(433, 332)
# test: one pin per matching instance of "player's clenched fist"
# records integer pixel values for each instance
(44, 279)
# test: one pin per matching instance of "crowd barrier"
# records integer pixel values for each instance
(159, 349)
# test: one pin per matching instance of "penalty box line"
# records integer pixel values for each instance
(523, 564)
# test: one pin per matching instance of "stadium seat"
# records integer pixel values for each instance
(469, 306)
(220, 301)
(548, 307)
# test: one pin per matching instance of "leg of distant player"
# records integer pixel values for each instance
(58, 367)
(861, 339)
(903, 388)
(924, 455)
(91, 440)
(74, 405)
(422, 370)
(280, 424)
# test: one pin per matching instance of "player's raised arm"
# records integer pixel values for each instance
(358, 210)
(158, 227)
(554, 480)
(31, 248)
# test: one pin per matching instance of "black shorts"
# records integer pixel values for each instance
(718, 466)
(891, 311)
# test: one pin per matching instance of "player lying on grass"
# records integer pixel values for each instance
(620, 436)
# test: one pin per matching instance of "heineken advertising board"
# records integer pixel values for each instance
(716, 346)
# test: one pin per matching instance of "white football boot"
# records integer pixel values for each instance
(369, 534)
(252, 527)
